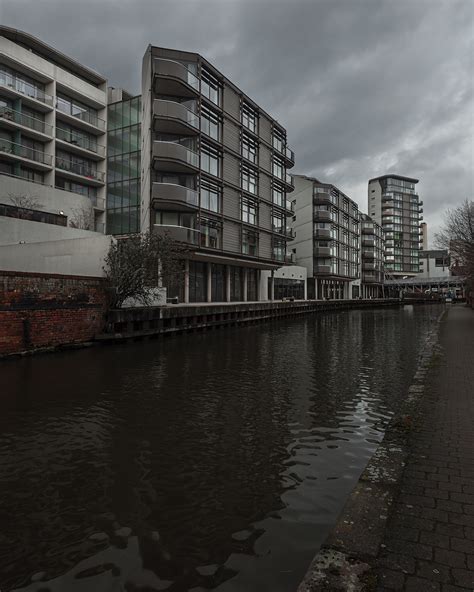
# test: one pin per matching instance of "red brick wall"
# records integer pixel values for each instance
(40, 310)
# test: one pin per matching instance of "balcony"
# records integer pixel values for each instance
(372, 278)
(79, 172)
(323, 269)
(288, 182)
(29, 126)
(174, 158)
(289, 233)
(171, 117)
(79, 144)
(323, 252)
(323, 198)
(290, 258)
(290, 207)
(30, 94)
(323, 215)
(180, 234)
(368, 242)
(290, 157)
(20, 153)
(86, 120)
(368, 254)
(368, 230)
(177, 198)
(174, 79)
(98, 203)
(369, 266)
(322, 233)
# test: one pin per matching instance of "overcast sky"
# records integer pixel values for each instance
(364, 87)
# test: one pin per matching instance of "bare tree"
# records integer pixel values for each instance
(457, 235)
(140, 262)
(25, 201)
(82, 218)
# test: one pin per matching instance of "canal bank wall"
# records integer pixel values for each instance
(347, 560)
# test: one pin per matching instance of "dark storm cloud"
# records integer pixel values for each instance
(364, 87)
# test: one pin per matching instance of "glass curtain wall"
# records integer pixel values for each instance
(123, 166)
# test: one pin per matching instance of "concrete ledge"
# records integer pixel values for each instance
(346, 561)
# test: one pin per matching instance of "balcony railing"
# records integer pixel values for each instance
(80, 169)
(25, 88)
(76, 139)
(174, 197)
(19, 118)
(288, 179)
(85, 116)
(290, 206)
(11, 148)
(175, 72)
(290, 155)
(166, 153)
(290, 258)
(174, 117)
(181, 234)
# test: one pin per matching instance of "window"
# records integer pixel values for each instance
(210, 160)
(249, 242)
(210, 123)
(248, 179)
(210, 196)
(279, 249)
(77, 137)
(278, 221)
(210, 87)
(249, 210)
(249, 117)
(278, 167)
(32, 175)
(21, 83)
(77, 109)
(278, 195)
(211, 233)
(76, 164)
(278, 140)
(74, 187)
(249, 148)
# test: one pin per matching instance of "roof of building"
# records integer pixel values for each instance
(401, 177)
(314, 180)
(52, 55)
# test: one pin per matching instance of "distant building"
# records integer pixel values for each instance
(424, 236)
(371, 257)
(394, 204)
(326, 226)
(435, 264)
(52, 134)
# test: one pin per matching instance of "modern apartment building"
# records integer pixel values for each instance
(371, 257)
(394, 204)
(52, 133)
(214, 176)
(326, 225)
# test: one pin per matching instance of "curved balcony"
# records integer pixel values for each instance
(323, 252)
(323, 215)
(79, 172)
(20, 153)
(168, 196)
(288, 181)
(290, 258)
(322, 233)
(290, 157)
(323, 198)
(170, 117)
(29, 93)
(29, 126)
(181, 234)
(174, 158)
(174, 79)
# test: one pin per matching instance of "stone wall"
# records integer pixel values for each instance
(46, 310)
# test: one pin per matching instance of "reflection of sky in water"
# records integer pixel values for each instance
(239, 447)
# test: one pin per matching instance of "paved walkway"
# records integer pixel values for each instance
(429, 541)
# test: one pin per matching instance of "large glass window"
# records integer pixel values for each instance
(22, 83)
(210, 196)
(76, 164)
(278, 221)
(210, 87)
(249, 148)
(278, 167)
(77, 109)
(278, 195)
(210, 123)
(76, 137)
(249, 179)
(211, 233)
(249, 210)
(249, 242)
(249, 117)
(279, 249)
(278, 139)
(210, 160)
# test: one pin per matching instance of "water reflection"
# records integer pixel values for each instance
(214, 460)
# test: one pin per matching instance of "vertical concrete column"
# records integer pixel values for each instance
(227, 283)
(272, 285)
(186, 281)
(244, 290)
(209, 282)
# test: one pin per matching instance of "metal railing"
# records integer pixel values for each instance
(25, 120)
(76, 139)
(6, 146)
(80, 169)
(25, 88)
(175, 69)
(85, 116)
(175, 110)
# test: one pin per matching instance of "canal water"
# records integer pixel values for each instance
(215, 460)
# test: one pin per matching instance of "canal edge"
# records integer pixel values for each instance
(346, 560)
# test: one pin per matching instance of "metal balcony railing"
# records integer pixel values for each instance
(80, 169)
(11, 148)
(32, 123)
(76, 139)
(25, 88)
